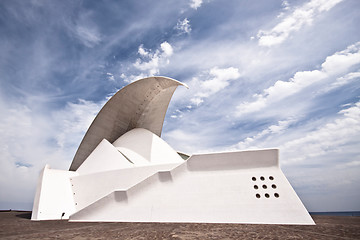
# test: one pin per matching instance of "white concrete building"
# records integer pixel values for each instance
(123, 171)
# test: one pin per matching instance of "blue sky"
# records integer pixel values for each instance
(262, 74)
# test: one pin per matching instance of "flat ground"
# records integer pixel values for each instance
(17, 225)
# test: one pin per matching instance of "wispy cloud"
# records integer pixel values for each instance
(216, 80)
(195, 4)
(110, 76)
(271, 131)
(32, 137)
(88, 36)
(303, 144)
(300, 17)
(85, 29)
(334, 65)
(183, 26)
(73, 121)
(327, 139)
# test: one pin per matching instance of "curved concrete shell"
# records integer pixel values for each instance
(141, 104)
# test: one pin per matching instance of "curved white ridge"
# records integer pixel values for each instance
(143, 147)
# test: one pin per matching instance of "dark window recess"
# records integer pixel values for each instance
(254, 178)
(271, 178)
(262, 178)
(276, 195)
(257, 195)
(273, 186)
(256, 187)
(264, 186)
(267, 195)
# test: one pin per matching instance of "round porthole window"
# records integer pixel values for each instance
(276, 195)
(257, 195)
(264, 186)
(271, 178)
(273, 186)
(254, 178)
(256, 187)
(262, 178)
(267, 195)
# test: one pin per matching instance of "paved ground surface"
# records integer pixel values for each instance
(17, 225)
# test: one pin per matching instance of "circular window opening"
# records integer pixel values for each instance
(276, 195)
(267, 195)
(271, 178)
(264, 186)
(262, 178)
(256, 186)
(273, 186)
(257, 195)
(254, 178)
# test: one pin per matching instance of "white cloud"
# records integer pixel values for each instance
(327, 139)
(346, 79)
(196, 100)
(183, 26)
(184, 140)
(341, 61)
(73, 121)
(150, 62)
(301, 16)
(195, 4)
(219, 79)
(271, 131)
(341, 81)
(142, 51)
(167, 49)
(31, 137)
(334, 65)
(177, 114)
(152, 65)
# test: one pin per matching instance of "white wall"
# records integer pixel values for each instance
(144, 147)
(54, 195)
(105, 157)
(92, 187)
(220, 190)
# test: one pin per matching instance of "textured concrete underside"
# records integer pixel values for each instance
(141, 104)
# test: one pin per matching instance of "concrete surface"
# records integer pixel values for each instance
(141, 104)
(17, 225)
